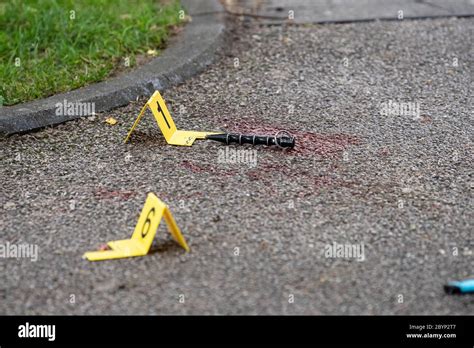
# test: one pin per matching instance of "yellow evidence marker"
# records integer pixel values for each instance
(145, 230)
(162, 116)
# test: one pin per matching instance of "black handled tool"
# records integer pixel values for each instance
(230, 138)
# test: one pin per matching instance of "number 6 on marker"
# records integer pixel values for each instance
(152, 213)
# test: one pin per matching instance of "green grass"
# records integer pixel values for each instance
(57, 53)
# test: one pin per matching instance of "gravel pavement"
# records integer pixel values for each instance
(333, 11)
(398, 185)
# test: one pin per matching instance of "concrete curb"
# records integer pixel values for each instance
(186, 55)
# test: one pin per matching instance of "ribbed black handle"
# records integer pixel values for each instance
(228, 138)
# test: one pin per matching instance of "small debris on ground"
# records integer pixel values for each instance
(112, 121)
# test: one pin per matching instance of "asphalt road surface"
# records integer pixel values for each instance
(393, 184)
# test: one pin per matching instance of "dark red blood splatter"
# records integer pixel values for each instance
(103, 193)
(426, 119)
(177, 197)
(311, 181)
(193, 167)
(384, 152)
(307, 143)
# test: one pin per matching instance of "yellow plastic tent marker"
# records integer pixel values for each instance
(139, 245)
(162, 116)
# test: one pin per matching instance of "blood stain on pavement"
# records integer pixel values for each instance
(307, 143)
